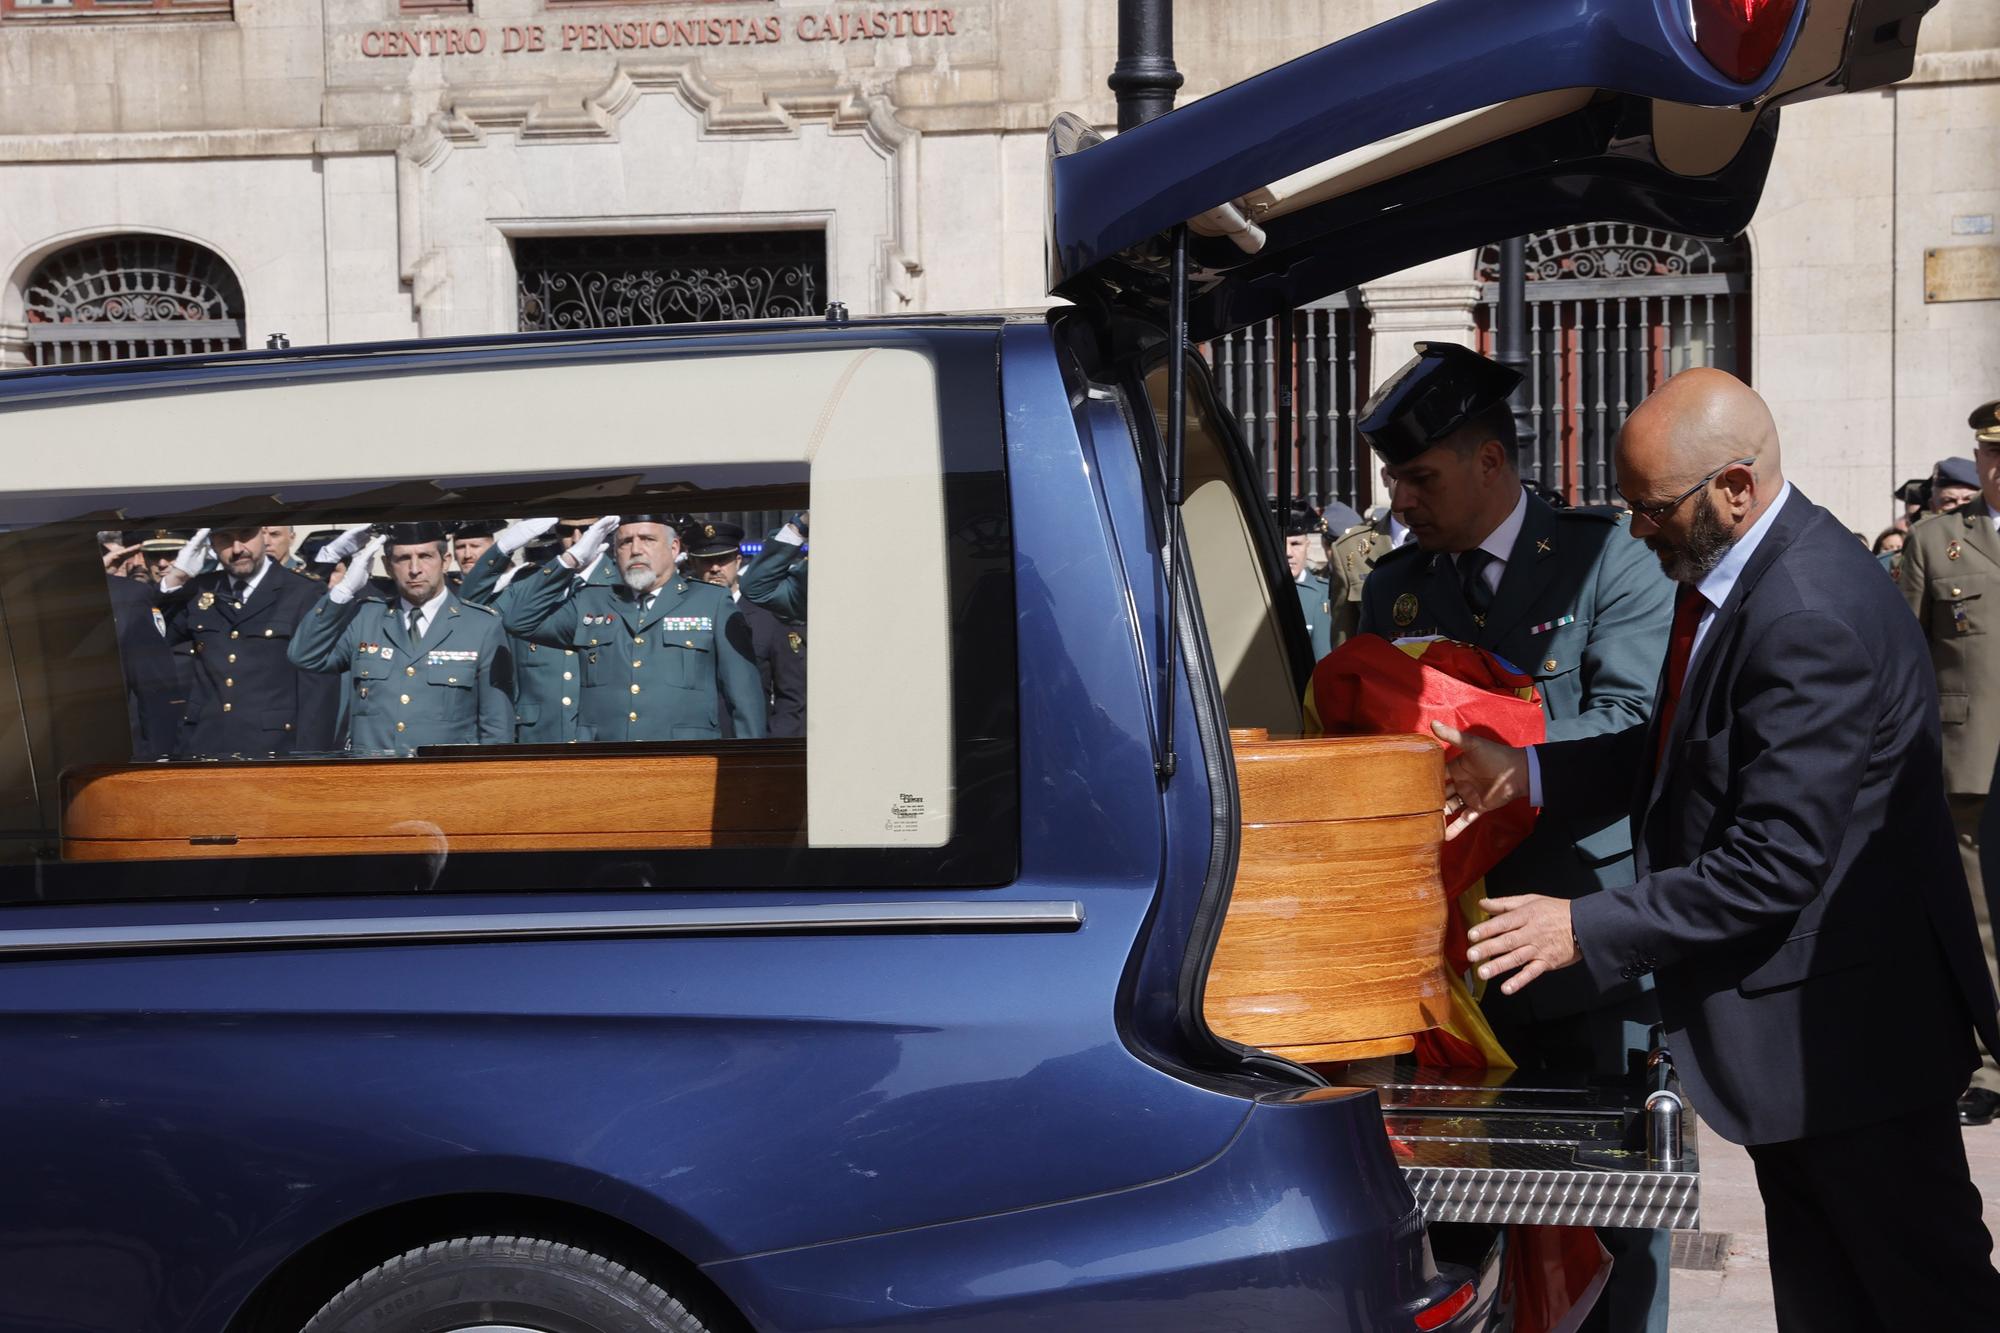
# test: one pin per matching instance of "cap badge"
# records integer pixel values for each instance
(791, 638)
(1405, 610)
(708, 529)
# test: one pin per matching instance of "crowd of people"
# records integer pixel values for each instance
(381, 640)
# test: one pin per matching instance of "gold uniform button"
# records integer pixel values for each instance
(571, 652)
(690, 643)
(565, 701)
(631, 717)
(1956, 593)
(234, 635)
(399, 726)
(409, 671)
(227, 707)
(228, 682)
(532, 647)
(267, 634)
(406, 698)
(1549, 665)
(232, 657)
(566, 675)
(637, 663)
(635, 687)
(638, 638)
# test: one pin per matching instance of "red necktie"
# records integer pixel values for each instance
(1688, 603)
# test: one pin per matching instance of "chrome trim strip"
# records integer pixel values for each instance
(873, 917)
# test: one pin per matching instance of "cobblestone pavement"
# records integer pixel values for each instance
(1737, 1297)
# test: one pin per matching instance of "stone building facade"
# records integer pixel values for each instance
(356, 170)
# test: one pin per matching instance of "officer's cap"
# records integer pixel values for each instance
(1915, 491)
(1434, 393)
(132, 538)
(414, 534)
(309, 549)
(1957, 472)
(475, 527)
(674, 521)
(164, 540)
(1985, 420)
(710, 540)
(1303, 521)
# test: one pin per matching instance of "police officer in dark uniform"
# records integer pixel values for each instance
(424, 667)
(1315, 601)
(1568, 597)
(660, 655)
(155, 690)
(245, 697)
(715, 555)
(548, 681)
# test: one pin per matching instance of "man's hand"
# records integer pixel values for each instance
(590, 543)
(187, 564)
(356, 578)
(1484, 775)
(343, 546)
(518, 534)
(117, 555)
(1527, 935)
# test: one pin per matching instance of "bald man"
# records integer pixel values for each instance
(1798, 899)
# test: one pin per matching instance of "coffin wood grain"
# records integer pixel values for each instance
(1334, 938)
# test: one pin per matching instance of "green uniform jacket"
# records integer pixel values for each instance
(1597, 673)
(548, 685)
(1950, 575)
(776, 579)
(1317, 603)
(450, 689)
(655, 675)
(1349, 563)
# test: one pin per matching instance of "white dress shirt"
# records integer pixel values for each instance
(1499, 543)
(425, 613)
(249, 584)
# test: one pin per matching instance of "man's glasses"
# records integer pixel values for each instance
(1654, 513)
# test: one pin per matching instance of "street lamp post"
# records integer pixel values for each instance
(1510, 344)
(1144, 79)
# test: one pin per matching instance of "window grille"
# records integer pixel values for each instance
(119, 297)
(584, 282)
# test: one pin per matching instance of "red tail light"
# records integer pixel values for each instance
(1739, 37)
(1435, 1316)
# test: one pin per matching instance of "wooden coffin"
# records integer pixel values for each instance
(1332, 948)
(739, 798)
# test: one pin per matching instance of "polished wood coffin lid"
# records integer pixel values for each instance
(1333, 945)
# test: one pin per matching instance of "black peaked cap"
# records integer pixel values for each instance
(1433, 394)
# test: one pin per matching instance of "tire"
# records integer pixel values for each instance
(503, 1282)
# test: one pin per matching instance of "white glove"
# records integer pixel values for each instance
(188, 563)
(356, 578)
(516, 535)
(591, 543)
(343, 546)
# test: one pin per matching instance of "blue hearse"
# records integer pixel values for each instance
(895, 1025)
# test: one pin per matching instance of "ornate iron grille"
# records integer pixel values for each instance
(1329, 379)
(1614, 309)
(131, 296)
(587, 282)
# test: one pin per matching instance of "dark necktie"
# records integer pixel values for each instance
(1472, 582)
(1688, 603)
(238, 590)
(410, 624)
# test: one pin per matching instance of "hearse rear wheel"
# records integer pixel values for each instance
(503, 1284)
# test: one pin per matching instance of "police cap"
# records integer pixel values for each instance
(1957, 472)
(165, 540)
(1302, 521)
(475, 527)
(414, 534)
(1985, 420)
(712, 540)
(310, 547)
(674, 521)
(1434, 393)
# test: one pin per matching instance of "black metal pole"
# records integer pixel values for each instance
(1510, 344)
(1144, 79)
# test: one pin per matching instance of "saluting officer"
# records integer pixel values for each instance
(1950, 575)
(1569, 598)
(424, 667)
(776, 578)
(235, 623)
(715, 555)
(1314, 599)
(548, 681)
(659, 653)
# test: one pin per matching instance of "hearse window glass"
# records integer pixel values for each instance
(383, 647)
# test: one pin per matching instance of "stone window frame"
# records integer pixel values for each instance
(113, 11)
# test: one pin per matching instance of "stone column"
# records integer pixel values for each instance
(1432, 301)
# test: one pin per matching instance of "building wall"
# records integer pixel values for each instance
(364, 171)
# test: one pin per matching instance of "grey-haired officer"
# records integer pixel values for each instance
(423, 666)
(659, 652)
(1315, 601)
(1570, 598)
(548, 681)
(715, 555)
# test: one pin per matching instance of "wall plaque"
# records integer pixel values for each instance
(1962, 273)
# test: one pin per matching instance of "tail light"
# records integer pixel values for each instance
(1739, 37)
(1436, 1316)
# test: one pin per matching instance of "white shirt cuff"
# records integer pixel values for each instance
(339, 595)
(1535, 776)
(790, 535)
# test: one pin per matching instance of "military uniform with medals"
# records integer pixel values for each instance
(1585, 609)
(1950, 575)
(656, 666)
(1351, 559)
(244, 696)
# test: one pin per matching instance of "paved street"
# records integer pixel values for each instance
(1736, 1298)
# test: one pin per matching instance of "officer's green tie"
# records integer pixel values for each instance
(410, 624)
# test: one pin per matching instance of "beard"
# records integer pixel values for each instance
(638, 578)
(1707, 542)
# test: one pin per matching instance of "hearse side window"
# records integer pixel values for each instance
(789, 663)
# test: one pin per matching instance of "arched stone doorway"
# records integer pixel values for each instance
(112, 298)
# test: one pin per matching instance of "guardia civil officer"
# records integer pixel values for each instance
(548, 681)
(1569, 598)
(1950, 575)
(235, 623)
(715, 555)
(776, 579)
(423, 666)
(659, 653)
(1314, 599)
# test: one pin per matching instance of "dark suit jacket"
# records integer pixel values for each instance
(155, 692)
(780, 654)
(1596, 674)
(272, 706)
(1800, 899)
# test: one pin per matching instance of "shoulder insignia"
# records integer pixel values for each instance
(1357, 527)
(475, 606)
